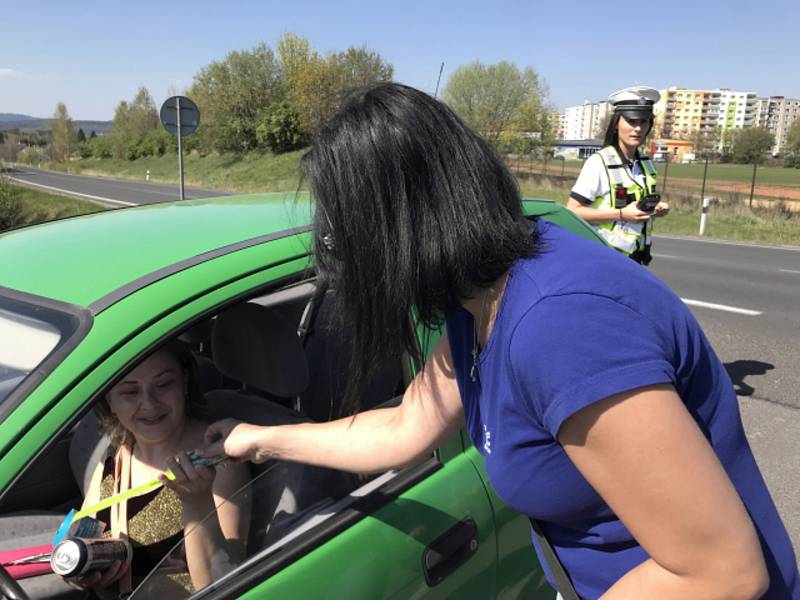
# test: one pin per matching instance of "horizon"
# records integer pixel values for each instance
(719, 45)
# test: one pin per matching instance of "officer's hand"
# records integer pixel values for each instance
(662, 208)
(633, 214)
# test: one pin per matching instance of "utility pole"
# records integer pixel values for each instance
(705, 171)
(753, 183)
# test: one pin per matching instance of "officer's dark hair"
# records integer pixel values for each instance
(612, 136)
(414, 213)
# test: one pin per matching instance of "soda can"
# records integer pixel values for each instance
(76, 556)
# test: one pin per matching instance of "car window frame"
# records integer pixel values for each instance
(72, 320)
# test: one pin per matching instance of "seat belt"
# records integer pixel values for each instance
(563, 584)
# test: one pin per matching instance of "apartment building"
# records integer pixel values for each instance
(585, 121)
(737, 109)
(777, 114)
(681, 112)
(558, 122)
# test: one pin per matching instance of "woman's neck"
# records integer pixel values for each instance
(156, 454)
(484, 307)
(629, 152)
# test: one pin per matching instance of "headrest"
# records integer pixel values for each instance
(258, 347)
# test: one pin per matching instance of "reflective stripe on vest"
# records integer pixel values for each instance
(625, 237)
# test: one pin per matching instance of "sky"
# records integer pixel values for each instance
(92, 54)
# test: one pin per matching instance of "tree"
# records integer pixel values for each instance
(294, 53)
(81, 136)
(132, 122)
(233, 93)
(361, 66)
(792, 144)
(495, 98)
(279, 129)
(63, 143)
(2, 138)
(752, 145)
(705, 141)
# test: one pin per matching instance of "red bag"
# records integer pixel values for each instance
(27, 562)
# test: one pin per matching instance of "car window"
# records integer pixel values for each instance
(248, 362)
(25, 341)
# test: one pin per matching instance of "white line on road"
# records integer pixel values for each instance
(789, 271)
(664, 256)
(711, 305)
(55, 189)
(689, 238)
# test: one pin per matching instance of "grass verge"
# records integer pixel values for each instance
(726, 221)
(38, 207)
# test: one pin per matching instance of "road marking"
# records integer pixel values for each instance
(664, 256)
(689, 238)
(733, 309)
(55, 189)
(789, 271)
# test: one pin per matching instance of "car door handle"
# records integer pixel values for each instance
(449, 551)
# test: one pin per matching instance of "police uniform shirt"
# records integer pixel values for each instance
(593, 179)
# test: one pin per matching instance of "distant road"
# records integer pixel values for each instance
(113, 192)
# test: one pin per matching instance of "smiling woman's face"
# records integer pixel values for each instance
(149, 401)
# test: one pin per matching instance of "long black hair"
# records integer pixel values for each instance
(612, 135)
(414, 213)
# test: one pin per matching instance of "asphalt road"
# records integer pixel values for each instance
(113, 192)
(760, 351)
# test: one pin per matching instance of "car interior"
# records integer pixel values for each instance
(272, 359)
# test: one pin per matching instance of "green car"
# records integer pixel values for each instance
(82, 300)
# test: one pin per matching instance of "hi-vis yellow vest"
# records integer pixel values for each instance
(622, 235)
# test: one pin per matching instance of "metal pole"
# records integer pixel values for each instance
(703, 190)
(563, 160)
(753, 184)
(180, 146)
(666, 172)
(704, 215)
(441, 68)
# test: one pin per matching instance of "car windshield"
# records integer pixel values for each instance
(26, 342)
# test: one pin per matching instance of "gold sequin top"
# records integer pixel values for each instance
(155, 526)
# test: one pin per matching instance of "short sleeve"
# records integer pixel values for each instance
(591, 181)
(573, 350)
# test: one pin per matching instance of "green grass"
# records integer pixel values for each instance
(724, 222)
(37, 207)
(249, 173)
(40, 206)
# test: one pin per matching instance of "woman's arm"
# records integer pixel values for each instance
(645, 455)
(606, 215)
(372, 441)
(217, 543)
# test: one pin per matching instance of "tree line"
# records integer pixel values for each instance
(272, 100)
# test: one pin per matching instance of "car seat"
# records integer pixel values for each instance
(258, 347)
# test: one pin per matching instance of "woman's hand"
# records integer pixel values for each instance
(661, 210)
(192, 483)
(100, 579)
(237, 440)
(633, 214)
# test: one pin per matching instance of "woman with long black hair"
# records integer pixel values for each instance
(599, 405)
(616, 189)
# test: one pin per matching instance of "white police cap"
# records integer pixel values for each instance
(635, 102)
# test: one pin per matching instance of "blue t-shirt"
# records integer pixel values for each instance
(578, 323)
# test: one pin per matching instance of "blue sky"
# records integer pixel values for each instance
(91, 54)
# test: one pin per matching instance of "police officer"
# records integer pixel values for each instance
(616, 189)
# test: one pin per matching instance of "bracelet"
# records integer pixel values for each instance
(620, 215)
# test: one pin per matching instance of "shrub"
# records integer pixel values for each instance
(10, 205)
(279, 128)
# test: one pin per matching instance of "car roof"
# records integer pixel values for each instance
(82, 259)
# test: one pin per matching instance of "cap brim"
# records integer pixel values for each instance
(645, 112)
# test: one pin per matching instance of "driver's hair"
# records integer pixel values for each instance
(108, 423)
(414, 212)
